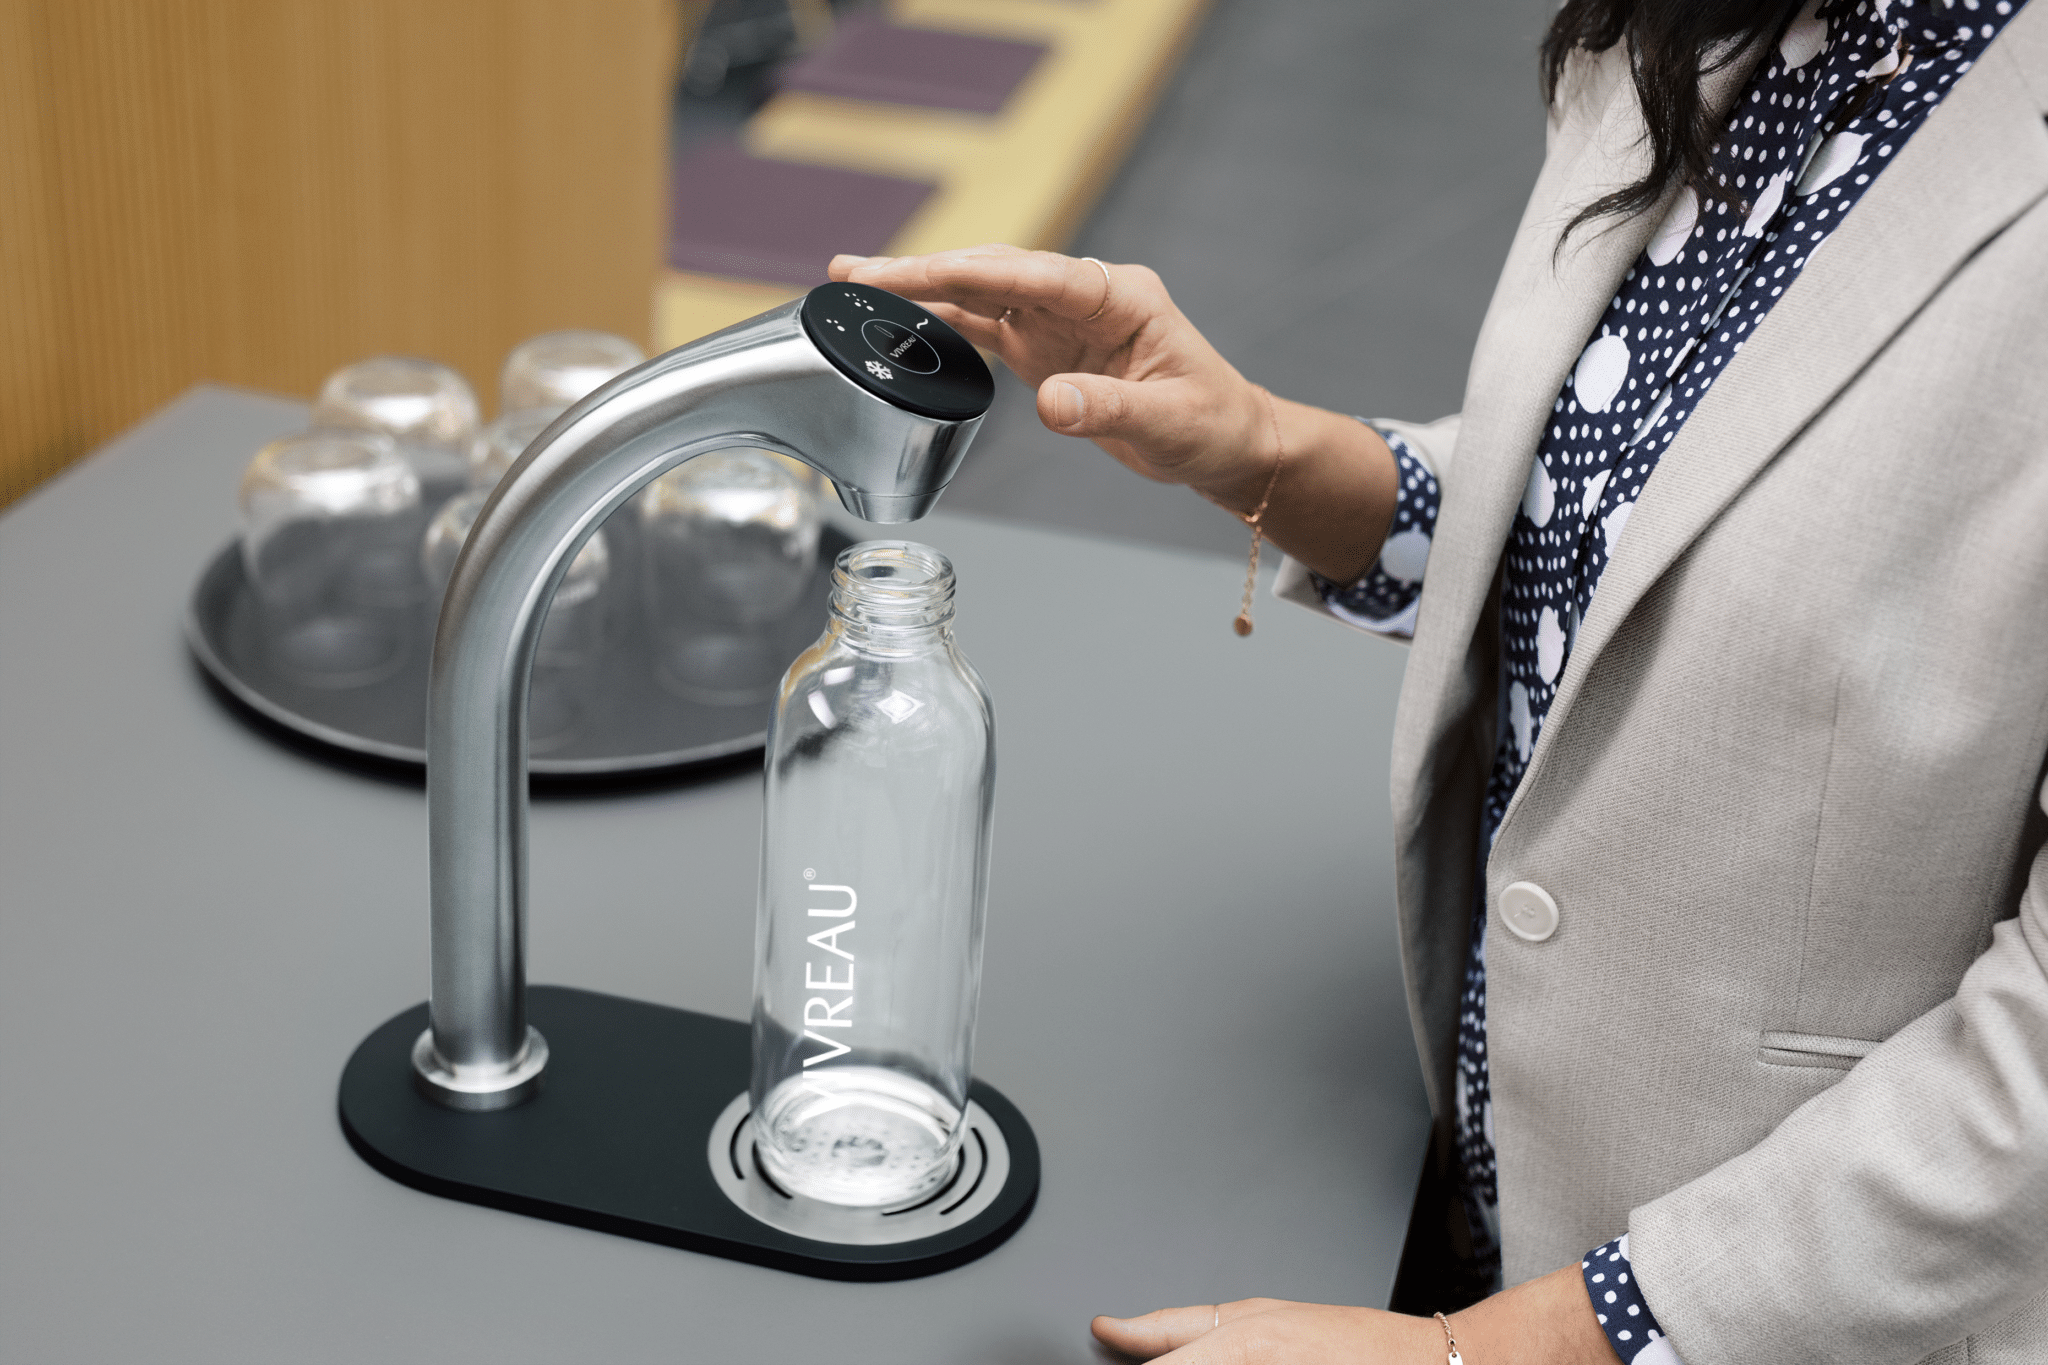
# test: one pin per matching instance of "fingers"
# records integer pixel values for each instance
(841, 267)
(982, 331)
(1156, 414)
(1173, 430)
(988, 279)
(973, 275)
(1169, 1329)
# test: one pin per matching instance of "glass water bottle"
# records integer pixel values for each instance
(874, 880)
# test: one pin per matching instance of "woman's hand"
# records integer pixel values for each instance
(1114, 360)
(1110, 355)
(1548, 1321)
(1274, 1332)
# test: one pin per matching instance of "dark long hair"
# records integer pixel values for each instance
(1672, 46)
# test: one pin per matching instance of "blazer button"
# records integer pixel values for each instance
(1528, 911)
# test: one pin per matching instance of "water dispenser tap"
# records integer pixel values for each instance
(867, 388)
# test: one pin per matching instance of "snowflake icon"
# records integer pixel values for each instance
(880, 371)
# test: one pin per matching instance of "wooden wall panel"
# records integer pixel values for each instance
(257, 191)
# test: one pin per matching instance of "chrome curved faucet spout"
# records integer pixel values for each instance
(830, 380)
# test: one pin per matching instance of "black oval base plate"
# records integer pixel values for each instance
(616, 1139)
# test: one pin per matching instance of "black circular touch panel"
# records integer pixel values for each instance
(895, 350)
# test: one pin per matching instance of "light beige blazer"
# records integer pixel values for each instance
(1791, 1031)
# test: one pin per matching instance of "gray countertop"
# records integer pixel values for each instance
(1191, 987)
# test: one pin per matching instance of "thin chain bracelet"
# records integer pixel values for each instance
(1243, 624)
(1450, 1342)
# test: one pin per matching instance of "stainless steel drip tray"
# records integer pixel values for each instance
(625, 720)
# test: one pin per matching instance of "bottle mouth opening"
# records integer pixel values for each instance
(900, 582)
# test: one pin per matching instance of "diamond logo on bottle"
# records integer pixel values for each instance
(898, 707)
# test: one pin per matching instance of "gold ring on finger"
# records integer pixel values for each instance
(1106, 289)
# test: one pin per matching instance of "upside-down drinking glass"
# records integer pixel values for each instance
(329, 519)
(874, 883)
(427, 408)
(571, 637)
(728, 542)
(541, 377)
(555, 369)
(503, 441)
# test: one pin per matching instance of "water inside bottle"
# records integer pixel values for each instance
(860, 1135)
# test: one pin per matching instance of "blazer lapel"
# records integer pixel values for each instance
(1543, 310)
(1979, 161)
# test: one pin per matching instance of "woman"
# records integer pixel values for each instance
(1717, 773)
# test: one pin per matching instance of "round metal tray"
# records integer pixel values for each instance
(629, 723)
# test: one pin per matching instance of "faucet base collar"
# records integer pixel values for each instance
(474, 1091)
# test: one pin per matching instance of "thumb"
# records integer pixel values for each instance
(1156, 1334)
(1187, 1335)
(1097, 406)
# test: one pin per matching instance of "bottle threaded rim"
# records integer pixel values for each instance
(892, 585)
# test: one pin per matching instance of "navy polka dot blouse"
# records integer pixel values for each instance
(1846, 86)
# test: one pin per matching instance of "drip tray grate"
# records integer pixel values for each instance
(980, 1174)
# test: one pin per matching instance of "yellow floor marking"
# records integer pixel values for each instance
(1025, 176)
(1029, 20)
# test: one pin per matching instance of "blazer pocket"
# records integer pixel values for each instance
(1813, 1049)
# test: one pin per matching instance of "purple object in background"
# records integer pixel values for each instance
(740, 215)
(869, 58)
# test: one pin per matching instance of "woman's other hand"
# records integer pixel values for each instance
(1114, 360)
(1547, 1321)
(1274, 1332)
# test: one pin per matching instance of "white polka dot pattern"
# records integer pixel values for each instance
(1384, 599)
(1618, 1302)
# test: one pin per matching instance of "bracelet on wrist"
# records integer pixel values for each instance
(1256, 517)
(1450, 1342)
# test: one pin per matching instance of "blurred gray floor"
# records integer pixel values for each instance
(1328, 187)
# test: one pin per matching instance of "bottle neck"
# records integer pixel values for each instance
(892, 594)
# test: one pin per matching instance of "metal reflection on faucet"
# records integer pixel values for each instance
(780, 382)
